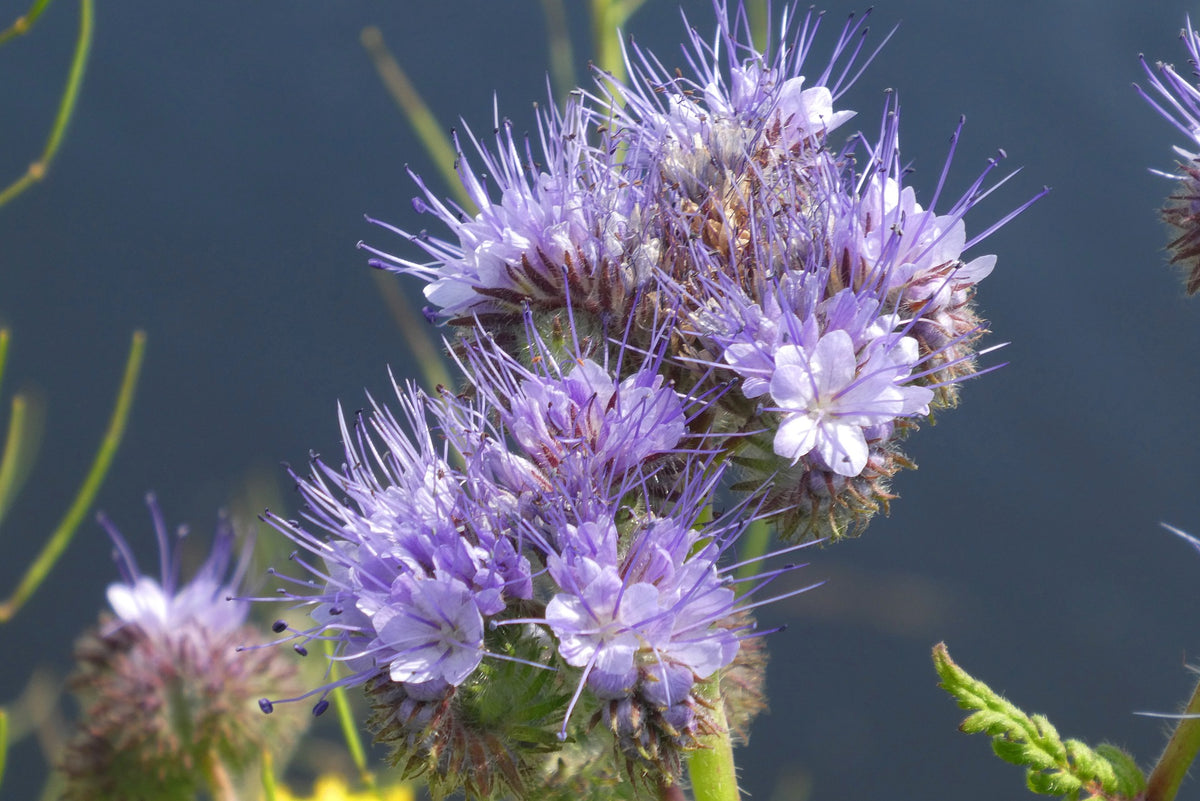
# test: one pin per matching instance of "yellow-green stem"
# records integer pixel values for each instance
(415, 330)
(437, 144)
(19, 451)
(66, 107)
(62, 535)
(3, 742)
(558, 45)
(1177, 757)
(345, 714)
(24, 23)
(711, 767)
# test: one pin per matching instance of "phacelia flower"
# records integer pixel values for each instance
(556, 228)
(827, 401)
(167, 700)
(842, 307)
(1181, 107)
(545, 526)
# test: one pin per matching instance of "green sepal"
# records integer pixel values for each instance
(1053, 766)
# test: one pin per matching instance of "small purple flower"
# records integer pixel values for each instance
(201, 606)
(827, 400)
(432, 629)
(420, 552)
(559, 225)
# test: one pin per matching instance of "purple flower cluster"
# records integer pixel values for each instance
(163, 688)
(718, 207)
(1181, 107)
(687, 275)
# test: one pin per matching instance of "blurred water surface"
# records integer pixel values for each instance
(212, 190)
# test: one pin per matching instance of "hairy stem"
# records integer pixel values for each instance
(1177, 756)
(711, 767)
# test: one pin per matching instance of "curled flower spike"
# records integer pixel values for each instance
(1181, 107)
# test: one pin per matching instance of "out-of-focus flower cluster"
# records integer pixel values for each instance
(688, 294)
(167, 698)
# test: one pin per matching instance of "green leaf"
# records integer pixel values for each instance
(1128, 780)
(1053, 767)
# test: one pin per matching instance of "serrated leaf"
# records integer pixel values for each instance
(1053, 767)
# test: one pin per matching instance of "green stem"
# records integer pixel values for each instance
(66, 106)
(62, 535)
(3, 741)
(345, 716)
(752, 547)
(415, 330)
(558, 43)
(22, 24)
(1177, 757)
(420, 116)
(711, 767)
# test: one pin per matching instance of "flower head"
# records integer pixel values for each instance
(164, 689)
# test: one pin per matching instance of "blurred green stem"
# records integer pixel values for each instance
(608, 18)
(66, 106)
(3, 742)
(753, 545)
(22, 24)
(350, 731)
(558, 44)
(711, 767)
(415, 330)
(756, 10)
(62, 535)
(1177, 757)
(420, 117)
(20, 448)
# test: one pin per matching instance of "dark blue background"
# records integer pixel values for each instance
(211, 191)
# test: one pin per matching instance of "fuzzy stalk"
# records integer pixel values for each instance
(711, 767)
(1177, 757)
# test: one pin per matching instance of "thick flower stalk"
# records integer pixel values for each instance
(1180, 105)
(167, 700)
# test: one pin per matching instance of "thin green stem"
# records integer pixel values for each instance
(752, 546)
(3, 742)
(558, 45)
(711, 767)
(24, 23)
(268, 776)
(1177, 757)
(756, 10)
(62, 535)
(20, 448)
(345, 716)
(420, 116)
(4, 340)
(416, 331)
(608, 18)
(66, 107)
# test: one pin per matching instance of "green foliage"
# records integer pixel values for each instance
(1054, 766)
